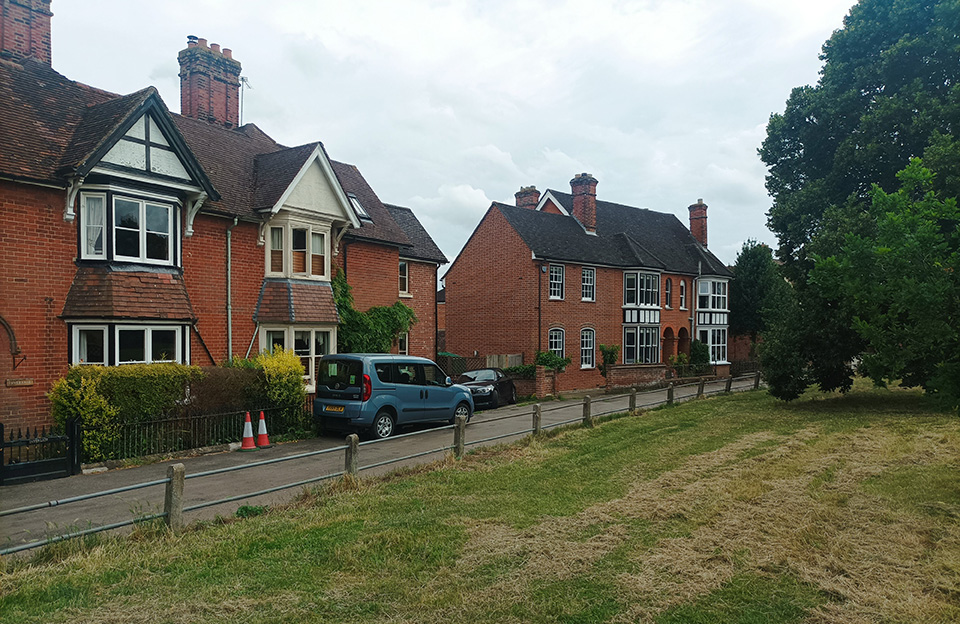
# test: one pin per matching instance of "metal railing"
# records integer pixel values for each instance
(174, 482)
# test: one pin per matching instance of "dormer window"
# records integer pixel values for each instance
(358, 207)
(296, 250)
(133, 230)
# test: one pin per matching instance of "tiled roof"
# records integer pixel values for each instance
(423, 247)
(295, 301)
(383, 228)
(98, 124)
(114, 293)
(41, 112)
(275, 172)
(626, 237)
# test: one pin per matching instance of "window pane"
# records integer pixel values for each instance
(275, 339)
(126, 214)
(132, 344)
(158, 218)
(163, 345)
(320, 341)
(404, 278)
(276, 250)
(301, 342)
(158, 246)
(555, 341)
(299, 250)
(91, 349)
(318, 249)
(586, 348)
(128, 243)
(94, 218)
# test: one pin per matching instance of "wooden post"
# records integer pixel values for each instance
(700, 388)
(756, 381)
(729, 384)
(537, 419)
(587, 417)
(459, 433)
(670, 394)
(173, 498)
(633, 399)
(350, 456)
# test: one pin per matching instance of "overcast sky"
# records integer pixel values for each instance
(446, 106)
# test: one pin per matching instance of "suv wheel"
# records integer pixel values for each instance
(382, 426)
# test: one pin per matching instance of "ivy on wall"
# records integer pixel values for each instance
(373, 331)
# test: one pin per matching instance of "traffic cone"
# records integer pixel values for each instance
(248, 444)
(262, 440)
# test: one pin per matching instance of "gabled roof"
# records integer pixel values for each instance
(41, 112)
(382, 228)
(626, 237)
(53, 127)
(275, 172)
(422, 246)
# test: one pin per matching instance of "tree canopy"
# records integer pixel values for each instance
(754, 275)
(889, 91)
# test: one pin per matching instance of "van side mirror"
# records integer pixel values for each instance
(448, 382)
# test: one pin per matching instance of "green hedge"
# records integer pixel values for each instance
(106, 398)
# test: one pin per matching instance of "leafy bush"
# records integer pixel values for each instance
(699, 357)
(523, 371)
(282, 382)
(680, 364)
(80, 398)
(551, 361)
(608, 357)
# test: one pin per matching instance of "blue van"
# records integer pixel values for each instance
(374, 393)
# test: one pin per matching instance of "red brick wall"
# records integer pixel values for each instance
(423, 287)
(37, 251)
(205, 271)
(25, 28)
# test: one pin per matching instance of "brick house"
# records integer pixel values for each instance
(566, 272)
(132, 234)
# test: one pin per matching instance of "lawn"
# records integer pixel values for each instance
(732, 509)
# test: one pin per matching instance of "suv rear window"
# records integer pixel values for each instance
(340, 374)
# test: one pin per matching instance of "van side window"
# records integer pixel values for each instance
(433, 376)
(385, 372)
(406, 374)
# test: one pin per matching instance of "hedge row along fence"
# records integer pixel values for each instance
(140, 409)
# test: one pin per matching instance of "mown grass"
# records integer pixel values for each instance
(734, 509)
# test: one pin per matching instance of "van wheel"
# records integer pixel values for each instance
(382, 426)
(462, 410)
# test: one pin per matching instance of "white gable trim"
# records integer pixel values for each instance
(549, 195)
(320, 158)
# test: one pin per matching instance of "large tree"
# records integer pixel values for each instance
(754, 275)
(889, 90)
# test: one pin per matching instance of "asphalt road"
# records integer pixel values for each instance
(64, 518)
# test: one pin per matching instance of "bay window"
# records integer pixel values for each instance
(296, 250)
(131, 230)
(308, 343)
(641, 289)
(641, 345)
(716, 339)
(109, 344)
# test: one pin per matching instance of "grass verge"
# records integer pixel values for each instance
(733, 509)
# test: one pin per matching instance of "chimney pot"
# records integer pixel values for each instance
(191, 41)
(227, 52)
(215, 47)
(202, 42)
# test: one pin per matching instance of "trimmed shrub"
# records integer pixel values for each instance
(523, 371)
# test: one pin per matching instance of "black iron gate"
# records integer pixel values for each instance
(39, 455)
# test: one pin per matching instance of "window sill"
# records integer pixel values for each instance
(555, 299)
(406, 295)
(588, 300)
(587, 367)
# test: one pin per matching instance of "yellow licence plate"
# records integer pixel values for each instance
(333, 408)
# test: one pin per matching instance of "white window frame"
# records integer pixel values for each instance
(588, 348)
(148, 343)
(556, 281)
(290, 343)
(714, 292)
(403, 343)
(142, 230)
(588, 284)
(683, 294)
(668, 293)
(75, 356)
(716, 339)
(404, 277)
(85, 225)
(555, 335)
(286, 241)
(647, 352)
(645, 291)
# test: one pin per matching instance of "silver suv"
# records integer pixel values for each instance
(374, 393)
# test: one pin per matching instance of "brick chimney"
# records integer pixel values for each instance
(209, 83)
(527, 197)
(698, 221)
(583, 186)
(25, 29)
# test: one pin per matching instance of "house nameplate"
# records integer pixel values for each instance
(19, 383)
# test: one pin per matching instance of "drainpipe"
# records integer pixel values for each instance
(229, 290)
(540, 273)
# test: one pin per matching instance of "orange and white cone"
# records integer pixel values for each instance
(248, 444)
(262, 440)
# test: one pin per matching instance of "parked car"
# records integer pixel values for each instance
(373, 393)
(490, 387)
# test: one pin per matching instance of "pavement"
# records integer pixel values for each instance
(58, 517)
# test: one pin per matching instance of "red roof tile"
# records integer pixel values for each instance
(295, 301)
(104, 292)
